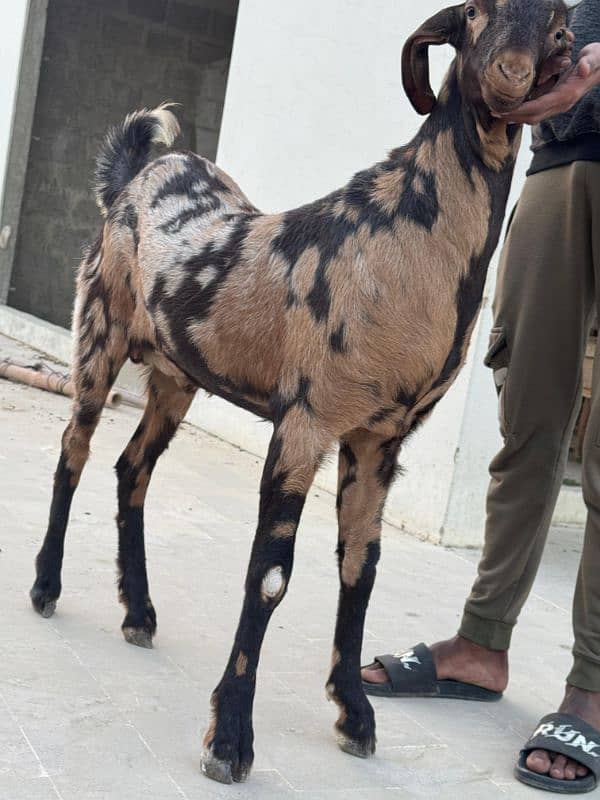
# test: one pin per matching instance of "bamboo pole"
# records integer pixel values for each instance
(41, 376)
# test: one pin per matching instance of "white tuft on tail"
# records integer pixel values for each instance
(168, 127)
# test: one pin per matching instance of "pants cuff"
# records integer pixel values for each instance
(585, 674)
(488, 633)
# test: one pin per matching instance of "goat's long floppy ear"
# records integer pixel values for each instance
(446, 27)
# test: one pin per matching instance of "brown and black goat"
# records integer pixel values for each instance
(344, 321)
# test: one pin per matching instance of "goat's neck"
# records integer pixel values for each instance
(485, 148)
(493, 144)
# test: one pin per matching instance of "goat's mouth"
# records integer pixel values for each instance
(500, 102)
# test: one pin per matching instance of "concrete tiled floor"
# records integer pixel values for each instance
(83, 716)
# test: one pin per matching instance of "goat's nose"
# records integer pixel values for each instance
(517, 72)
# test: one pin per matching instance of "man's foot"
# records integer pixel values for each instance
(582, 704)
(459, 659)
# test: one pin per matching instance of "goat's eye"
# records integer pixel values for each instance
(560, 35)
(471, 12)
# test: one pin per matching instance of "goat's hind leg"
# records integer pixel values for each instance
(167, 405)
(100, 352)
(366, 469)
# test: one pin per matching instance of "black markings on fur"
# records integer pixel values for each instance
(359, 197)
(133, 579)
(419, 205)
(303, 393)
(382, 415)
(87, 382)
(91, 341)
(87, 414)
(280, 406)
(233, 698)
(388, 467)
(358, 721)
(348, 462)
(405, 398)
(320, 225)
(314, 225)
(198, 190)
(292, 300)
(191, 303)
(423, 414)
(93, 251)
(337, 340)
(193, 183)
(470, 290)
(451, 116)
(204, 206)
(130, 220)
(47, 586)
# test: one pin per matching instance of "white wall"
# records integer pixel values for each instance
(12, 25)
(314, 95)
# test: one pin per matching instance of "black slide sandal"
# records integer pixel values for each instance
(568, 736)
(413, 674)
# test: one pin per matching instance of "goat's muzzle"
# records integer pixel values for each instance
(508, 80)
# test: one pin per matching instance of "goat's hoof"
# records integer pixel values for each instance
(42, 599)
(139, 626)
(222, 771)
(354, 747)
(140, 637)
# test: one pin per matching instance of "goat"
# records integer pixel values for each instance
(344, 321)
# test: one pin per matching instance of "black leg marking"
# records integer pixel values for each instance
(47, 587)
(167, 406)
(90, 398)
(366, 470)
(228, 744)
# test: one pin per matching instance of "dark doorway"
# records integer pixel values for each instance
(100, 61)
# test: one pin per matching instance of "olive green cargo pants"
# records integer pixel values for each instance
(548, 288)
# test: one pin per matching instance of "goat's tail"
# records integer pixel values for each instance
(126, 151)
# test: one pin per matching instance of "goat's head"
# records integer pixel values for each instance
(501, 47)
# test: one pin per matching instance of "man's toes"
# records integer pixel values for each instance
(374, 673)
(539, 761)
(559, 765)
(571, 770)
(581, 771)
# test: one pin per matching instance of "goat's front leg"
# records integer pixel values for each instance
(367, 466)
(294, 455)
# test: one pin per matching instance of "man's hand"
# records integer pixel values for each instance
(560, 96)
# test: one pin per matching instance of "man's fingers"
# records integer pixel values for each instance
(590, 56)
(555, 66)
(584, 68)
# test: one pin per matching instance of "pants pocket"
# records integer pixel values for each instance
(497, 359)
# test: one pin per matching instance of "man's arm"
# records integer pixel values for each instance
(572, 85)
